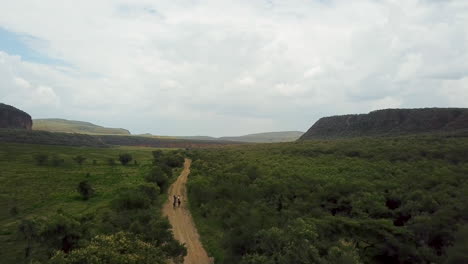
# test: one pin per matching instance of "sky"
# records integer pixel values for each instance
(225, 68)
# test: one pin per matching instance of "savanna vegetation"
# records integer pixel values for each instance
(366, 200)
(73, 205)
(74, 139)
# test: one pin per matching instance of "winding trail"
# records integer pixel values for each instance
(182, 223)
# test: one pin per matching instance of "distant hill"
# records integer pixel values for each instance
(13, 118)
(199, 138)
(391, 122)
(71, 126)
(268, 137)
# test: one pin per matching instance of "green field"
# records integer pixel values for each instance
(366, 200)
(30, 190)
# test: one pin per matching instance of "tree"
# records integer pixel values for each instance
(125, 158)
(85, 189)
(158, 176)
(131, 199)
(458, 253)
(295, 244)
(79, 159)
(61, 232)
(174, 160)
(41, 158)
(119, 248)
(150, 189)
(157, 155)
(111, 162)
(29, 230)
(57, 161)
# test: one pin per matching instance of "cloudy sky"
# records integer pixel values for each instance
(218, 67)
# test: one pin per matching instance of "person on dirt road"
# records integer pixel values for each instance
(175, 201)
(178, 200)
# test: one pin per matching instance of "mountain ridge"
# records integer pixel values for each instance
(74, 126)
(390, 122)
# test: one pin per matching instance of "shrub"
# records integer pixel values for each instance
(175, 161)
(61, 232)
(79, 159)
(41, 159)
(29, 229)
(130, 199)
(158, 176)
(150, 189)
(117, 248)
(57, 161)
(14, 211)
(85, 190)
(111, 162)
(125, 158)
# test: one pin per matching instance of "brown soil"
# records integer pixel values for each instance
(182, 223)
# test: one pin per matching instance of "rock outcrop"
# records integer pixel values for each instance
(13, 118)
(390, 122)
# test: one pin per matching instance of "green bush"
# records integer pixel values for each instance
(41, 158)
(130, 200)
(57, 161)
(125, 158)
(85, 190)
(159, 177)
(79, 159)
(119, 248)
(111, 162)
(372, 200)
(150, 189)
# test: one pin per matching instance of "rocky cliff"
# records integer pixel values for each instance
(390, 122)
(11, 117)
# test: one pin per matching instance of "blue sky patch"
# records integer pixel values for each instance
(22, 44)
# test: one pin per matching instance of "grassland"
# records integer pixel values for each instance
(41, 190)
(71, 126)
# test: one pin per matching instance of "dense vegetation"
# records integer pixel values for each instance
(49, 138)
(368, 200)
(69, 139)
(79, 205)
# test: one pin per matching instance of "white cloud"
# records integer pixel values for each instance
(32, 94)
(189, 67)
(247, 81)
(456, 91)
(313, 72)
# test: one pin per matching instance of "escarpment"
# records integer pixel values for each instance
(13, 118)
(389, 122)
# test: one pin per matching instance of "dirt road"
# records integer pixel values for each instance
(182, 222)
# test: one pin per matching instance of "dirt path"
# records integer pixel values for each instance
(182, 222)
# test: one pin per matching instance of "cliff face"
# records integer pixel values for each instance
(11, 117)
(390, 122)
